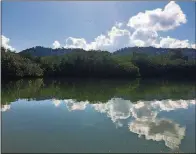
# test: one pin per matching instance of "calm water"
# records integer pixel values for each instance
(98, 116)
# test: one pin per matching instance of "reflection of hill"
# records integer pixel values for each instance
(96, 90)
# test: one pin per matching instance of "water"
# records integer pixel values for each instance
(98, 116)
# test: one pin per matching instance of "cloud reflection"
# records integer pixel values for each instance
(56, 102)
(143, 117)
(117, 109)
(159, 130)
(74, 105)
(5, 107)
(145, 120)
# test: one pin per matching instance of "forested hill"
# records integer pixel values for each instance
(81, 63)
(190, 52)
(43, 51)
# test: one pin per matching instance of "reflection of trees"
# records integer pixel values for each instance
(96, 90)
(14, 90)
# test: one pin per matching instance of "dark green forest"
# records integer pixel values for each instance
(97, 64)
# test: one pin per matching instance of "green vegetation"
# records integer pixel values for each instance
(13, 65)
(81, 63)
(96, 90)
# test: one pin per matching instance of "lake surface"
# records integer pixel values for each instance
(98, 116)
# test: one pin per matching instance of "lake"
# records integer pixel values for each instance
(56, 116)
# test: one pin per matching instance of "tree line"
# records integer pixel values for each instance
(81, 63)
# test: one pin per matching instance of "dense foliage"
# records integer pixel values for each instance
(81, 63)
(14, 65)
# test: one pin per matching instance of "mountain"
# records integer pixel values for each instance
(43, 51)
(189, 52)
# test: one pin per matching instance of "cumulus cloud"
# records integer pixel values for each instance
(159, 130)
(72, 42)
(159, 19)
(144, 37)
(169, 42)
(5, 43)
(193, 46)
(56, 45)
(114, 39)
(141, 30)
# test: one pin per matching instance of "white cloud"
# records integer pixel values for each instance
(114, 39)
(159, 19)
(118, 38)
(72, 42)
(5, 43)
(193, 46)
(56, 45)
(169, 42)
(142, 31)
(144, 37)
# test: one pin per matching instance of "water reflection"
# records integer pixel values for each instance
(159, 130)
(116, 109)
(137, 109)
(144, 114)
(74, 105)
(5, 107)
(56, 102)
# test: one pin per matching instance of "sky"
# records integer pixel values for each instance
(97, 25)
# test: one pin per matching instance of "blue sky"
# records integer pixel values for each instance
(97, 25)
